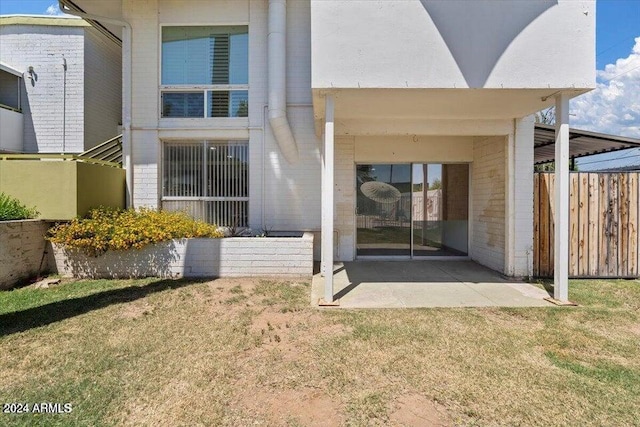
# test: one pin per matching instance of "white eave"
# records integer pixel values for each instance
(8, 69)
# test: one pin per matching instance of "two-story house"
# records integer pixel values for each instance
(394, 128)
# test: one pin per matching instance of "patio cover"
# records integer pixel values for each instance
(581, 143)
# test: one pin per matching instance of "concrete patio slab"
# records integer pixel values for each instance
(412, 284)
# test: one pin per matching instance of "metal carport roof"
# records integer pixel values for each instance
(581, 143)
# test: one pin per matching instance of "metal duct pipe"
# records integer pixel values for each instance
(71, 9)
(277, 83)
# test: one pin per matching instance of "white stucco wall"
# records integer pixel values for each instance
(11, 130)
(283, 196)
(487, 210)
(453, 44)
(286, 196)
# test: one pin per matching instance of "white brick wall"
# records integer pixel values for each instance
(345, 198)
(103, 88)
(487, 212)
(42, 48)
(93, 88)
(228, 257)
(22, 246)
(145, 156)
(523, 198)
(143, 17)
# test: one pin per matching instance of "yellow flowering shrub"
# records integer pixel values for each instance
(115, 229)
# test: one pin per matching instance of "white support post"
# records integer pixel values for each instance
(327, 200)
(510, 199)
(561, 243)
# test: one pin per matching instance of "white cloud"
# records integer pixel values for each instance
(54, 10)
(614, 106)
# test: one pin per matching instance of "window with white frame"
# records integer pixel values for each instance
(205, 71)
(209, 180)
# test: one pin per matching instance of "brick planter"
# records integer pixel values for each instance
(22, 250)
(226, 257)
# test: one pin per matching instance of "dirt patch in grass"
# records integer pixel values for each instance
(304, 406)
(635, 329)
(417, 410)
(136, 310)
(254, 352)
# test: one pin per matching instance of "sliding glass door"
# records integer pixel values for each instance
(383, 210)
(416, 210)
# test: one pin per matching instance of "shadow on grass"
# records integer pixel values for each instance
(546, 283)
(20, 321)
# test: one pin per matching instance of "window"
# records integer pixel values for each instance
(207, 179)
(205, 71)
(10, 88)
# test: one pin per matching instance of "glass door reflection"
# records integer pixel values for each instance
(383, 210)
(440, 209)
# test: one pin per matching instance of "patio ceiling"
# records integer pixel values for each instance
(581, 143)
(406, 111)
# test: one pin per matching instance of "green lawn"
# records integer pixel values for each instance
(244, 352)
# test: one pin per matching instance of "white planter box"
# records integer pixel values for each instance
(226, 257)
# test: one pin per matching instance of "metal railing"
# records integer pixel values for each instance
(14, 109)
(60, 157)
(108, 151)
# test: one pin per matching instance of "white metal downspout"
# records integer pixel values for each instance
(277, 82)
(126, 89)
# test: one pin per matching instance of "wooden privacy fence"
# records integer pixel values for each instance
(603, 227)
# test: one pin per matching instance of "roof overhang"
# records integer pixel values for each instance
(41, 20)
(581, 143)
(107, 8)
(408, 110)
(8, 69)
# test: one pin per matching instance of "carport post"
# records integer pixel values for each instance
(561, 243)
(327, 200)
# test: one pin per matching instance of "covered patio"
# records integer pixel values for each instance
(499, 150)
(414, 284)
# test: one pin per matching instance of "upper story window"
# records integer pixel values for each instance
(205, 71)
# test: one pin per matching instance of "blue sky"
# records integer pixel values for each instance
(618, 23)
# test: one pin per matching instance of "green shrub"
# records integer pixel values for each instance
(114, 229)
(12, 209)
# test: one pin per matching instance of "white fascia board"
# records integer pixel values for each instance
(10, 70)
